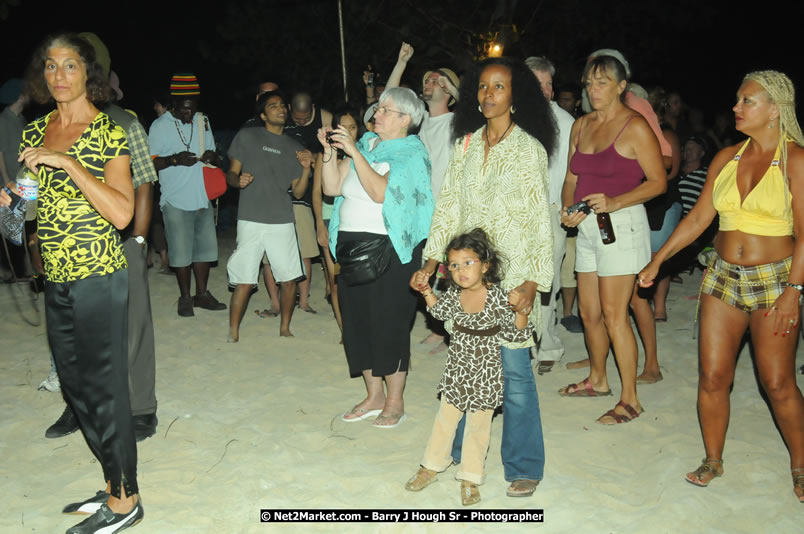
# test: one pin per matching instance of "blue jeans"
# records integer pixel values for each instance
(522, 440)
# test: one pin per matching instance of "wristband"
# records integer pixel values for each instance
(797, 287)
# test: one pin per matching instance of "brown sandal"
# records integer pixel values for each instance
(798, 483)
(469, 493)
(423, 478)
(708, 465)
(522, 488)
(620, 418)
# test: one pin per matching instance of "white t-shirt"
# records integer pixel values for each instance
(436, 134)
(557, 161)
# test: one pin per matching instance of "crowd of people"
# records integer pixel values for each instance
(480, 194)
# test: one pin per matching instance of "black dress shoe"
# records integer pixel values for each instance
(145, 425)
(89, 506)
(106, 521)
(208, 302)
(64, 425)
(186, 306)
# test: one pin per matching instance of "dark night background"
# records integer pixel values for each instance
(702, 49)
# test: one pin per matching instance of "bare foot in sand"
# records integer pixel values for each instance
(649, 377)
(441, 347)
(285, 333)
(580, 364)
(432, 338)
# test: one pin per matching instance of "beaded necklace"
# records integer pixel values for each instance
(181, 135)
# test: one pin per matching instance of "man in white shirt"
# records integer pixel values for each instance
(550, 349)
(439, 91)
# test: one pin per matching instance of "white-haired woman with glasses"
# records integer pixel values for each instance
(383, 201)
(755, 279)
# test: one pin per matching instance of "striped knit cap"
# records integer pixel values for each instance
(184, 84)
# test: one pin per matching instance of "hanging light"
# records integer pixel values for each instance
(495, 49)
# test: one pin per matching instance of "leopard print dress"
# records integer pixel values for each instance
(473, 376)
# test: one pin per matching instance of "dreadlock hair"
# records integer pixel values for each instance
(781, 92)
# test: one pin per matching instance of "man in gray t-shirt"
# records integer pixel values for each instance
(264, 163)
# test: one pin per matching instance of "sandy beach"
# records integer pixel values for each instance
(255, 425)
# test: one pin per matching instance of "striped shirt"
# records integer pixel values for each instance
(690, 186)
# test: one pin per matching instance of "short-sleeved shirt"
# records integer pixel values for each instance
(182, 187)
(271, 159)
(76, 241)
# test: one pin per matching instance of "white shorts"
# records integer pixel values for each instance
(630, 251)
(277, 241)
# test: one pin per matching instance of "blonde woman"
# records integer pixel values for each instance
(755, 280)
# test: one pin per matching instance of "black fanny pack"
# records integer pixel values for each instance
(364, 261)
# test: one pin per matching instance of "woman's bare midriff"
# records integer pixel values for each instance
(744, 249)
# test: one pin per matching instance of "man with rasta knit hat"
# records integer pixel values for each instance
(178, 154)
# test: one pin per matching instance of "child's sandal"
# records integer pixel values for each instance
(470, 494)
(423, 478)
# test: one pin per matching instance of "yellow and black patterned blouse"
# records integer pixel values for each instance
(76, 242)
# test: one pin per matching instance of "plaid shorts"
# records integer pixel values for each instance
(747, 288)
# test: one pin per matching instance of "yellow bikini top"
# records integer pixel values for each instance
(767, 209)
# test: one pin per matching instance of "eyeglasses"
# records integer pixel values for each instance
(384, 110)
(461, 266)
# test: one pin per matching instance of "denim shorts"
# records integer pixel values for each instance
(659, 237)
(190, 235)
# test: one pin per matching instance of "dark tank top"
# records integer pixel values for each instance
(604, 172)
(307, 135)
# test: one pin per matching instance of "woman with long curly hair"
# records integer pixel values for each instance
(497, 180)
(85, 196)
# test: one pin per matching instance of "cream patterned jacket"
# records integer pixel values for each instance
(506, 196)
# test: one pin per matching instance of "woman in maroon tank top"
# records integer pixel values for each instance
(611, 150)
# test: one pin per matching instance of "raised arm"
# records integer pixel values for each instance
(405, 53)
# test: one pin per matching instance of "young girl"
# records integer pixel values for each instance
(473, 379)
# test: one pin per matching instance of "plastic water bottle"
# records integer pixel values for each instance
(28, 189)
(27, 183)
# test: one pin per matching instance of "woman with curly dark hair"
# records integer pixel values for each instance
(497, 181)
(85, 196)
